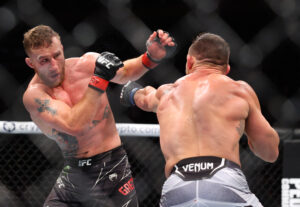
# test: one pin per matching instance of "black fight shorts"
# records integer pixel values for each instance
(103, 180)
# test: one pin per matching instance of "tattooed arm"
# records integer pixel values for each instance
(57, 114)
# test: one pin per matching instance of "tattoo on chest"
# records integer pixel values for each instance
(106, 112)
(240, 128)
(44, 106)
(105, 116)
(67, 143)
(94, 123)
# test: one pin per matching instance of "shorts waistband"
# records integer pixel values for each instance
(96, 159)
(201, 167)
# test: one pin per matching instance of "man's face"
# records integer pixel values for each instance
(49, 63)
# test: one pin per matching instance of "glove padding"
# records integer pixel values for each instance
(127, 93)
(107, 65)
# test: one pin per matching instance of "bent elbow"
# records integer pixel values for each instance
(275, 150)
(76, 129)
(273, 147)
(273, 156)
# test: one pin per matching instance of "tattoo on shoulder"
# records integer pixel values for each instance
(240, 128)
(44, 106)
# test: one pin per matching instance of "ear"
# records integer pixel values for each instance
(29, 63)
(189, 61)
(228, 69)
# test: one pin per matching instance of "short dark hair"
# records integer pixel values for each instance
(210, 48)
(39, 36)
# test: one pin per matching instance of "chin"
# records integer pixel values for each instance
(54, 84)
(57, 84)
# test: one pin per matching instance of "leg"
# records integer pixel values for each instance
(210, 193)
(125, 194)
(59, 195)
(54, 200)
(114, 185)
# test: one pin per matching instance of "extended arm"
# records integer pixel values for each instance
(159, 46)
(262, 138)
(144, 98)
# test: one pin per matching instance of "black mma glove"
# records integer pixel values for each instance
(148, 61)
(106, 67)
(127, 93)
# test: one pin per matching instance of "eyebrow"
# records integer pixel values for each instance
(39, 57)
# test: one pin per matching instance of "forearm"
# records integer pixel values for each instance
(83, 113)
(146, 99)
(133, 70)
(268, 149)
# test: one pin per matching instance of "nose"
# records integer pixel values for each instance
(54, 64)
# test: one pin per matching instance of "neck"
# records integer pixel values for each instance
(206, 69)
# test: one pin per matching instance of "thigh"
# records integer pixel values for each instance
(115, 188)
(122, 194)
(56, 200)
(206, 192)
(125, 194)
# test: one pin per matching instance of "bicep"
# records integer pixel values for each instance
(256, 124)
(262, 138)
(257, 128)
(47, 110)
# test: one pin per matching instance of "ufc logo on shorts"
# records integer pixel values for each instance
(104, 61)
(87, 162)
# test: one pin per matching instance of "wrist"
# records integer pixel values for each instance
(131, 96)
(98, 83)
(149, 62)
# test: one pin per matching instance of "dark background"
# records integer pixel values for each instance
(264, 36)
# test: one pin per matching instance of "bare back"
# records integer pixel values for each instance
(102, 134)
(201, 115)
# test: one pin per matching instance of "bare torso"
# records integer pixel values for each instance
(102, 135)
(201, 115)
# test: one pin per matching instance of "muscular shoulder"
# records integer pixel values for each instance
(33, 90)
(87, 60)
(246, 87)
(249, 91)
(164, 89)
(90, 56)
